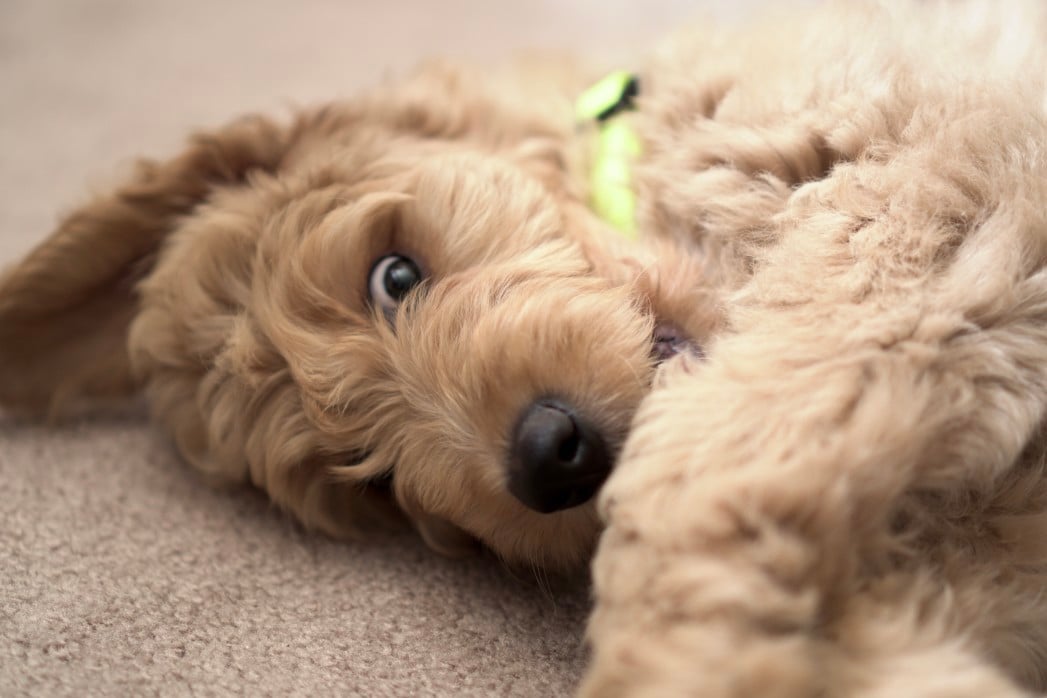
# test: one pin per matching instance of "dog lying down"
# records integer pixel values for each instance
(819, 374)
(396, 305)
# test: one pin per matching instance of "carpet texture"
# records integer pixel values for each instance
(121, 572)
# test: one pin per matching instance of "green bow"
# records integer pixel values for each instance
(610, 186)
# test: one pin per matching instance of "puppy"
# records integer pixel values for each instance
(397, 306)
(405, 304)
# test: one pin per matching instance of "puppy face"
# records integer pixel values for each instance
(406, 315)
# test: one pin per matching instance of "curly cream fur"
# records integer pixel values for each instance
(847, 498)
(846, 209)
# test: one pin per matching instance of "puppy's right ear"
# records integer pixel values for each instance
(66, 308)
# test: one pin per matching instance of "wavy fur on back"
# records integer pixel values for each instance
(847, 498)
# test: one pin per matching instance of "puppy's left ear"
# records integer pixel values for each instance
(66, 308)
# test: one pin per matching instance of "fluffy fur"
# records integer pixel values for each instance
(846, 496)
(231, 282)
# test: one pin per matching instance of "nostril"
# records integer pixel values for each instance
(569, 446)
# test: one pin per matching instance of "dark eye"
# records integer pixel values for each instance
(391, 279)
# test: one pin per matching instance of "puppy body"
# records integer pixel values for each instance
(847, 497)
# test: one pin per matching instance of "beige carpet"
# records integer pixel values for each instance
(120, 572)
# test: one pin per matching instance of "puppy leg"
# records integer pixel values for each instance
(915, 644)
(748, 511)
(878, 648)
(968, 621)
(762, 490)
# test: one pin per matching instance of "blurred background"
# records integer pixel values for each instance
(88, 84)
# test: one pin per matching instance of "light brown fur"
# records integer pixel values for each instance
(846, 496)
(231, 282)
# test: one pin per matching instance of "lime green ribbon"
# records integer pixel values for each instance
(610, 181)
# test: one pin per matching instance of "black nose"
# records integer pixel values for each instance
(558, 459)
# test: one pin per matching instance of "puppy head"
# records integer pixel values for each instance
(396, 307)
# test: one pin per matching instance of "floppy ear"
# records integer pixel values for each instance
(65, 309)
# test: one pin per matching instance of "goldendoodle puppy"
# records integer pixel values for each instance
(827, 347)
(398, 304)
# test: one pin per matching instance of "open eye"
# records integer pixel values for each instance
(392, 277)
